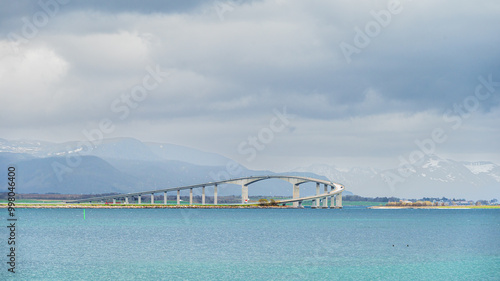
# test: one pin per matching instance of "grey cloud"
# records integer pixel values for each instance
(262, 55)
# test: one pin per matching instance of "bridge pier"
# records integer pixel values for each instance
(296, 194)
(203, 195)
(139, 199)
(190, 196)
(178, 196)
(299, 204)
(114, 201)
(317, 193)
(244, 193)
(152, 198)
(338, 204)
(165, 198)
(215, 194)
(313, 204)
(126, 200)
(325, 200)
(332, 204)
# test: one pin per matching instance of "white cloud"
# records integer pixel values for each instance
(28, 79)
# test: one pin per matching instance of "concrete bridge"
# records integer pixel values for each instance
(330, 192)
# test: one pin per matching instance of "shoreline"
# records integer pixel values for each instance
(144, 206)
(434, 207)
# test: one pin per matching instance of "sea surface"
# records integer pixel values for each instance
(254, 244)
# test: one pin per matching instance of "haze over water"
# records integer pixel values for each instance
(257, 244)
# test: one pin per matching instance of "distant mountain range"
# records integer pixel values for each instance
(126, 165)
(434, 177)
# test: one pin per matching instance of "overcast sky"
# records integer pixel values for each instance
(360, 81)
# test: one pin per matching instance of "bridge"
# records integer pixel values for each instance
(331, 192)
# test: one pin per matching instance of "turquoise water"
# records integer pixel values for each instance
(255, 244)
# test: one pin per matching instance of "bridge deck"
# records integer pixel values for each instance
(296, 180)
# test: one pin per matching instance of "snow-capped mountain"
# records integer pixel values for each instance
(126, 164)
(433, 177)
(123, 165)
(484, 168)
(117, 148)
